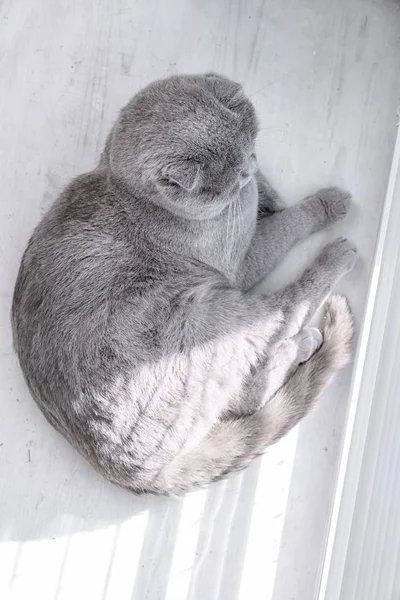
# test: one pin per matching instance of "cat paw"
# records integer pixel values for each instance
(309, 341)
(333, 204)
(339, 255)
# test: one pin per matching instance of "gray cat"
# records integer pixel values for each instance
(135, 316)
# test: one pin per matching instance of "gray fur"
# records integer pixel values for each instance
(136, 318)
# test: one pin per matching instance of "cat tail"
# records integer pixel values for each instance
(234, 442)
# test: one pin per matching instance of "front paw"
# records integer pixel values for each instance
(331, 205)
(340, 255)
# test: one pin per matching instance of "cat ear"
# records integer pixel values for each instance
(227, 91)
(185, 174)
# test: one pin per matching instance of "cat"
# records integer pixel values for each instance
(137, 319)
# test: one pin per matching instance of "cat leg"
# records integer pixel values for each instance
(300, 391)
(269, 327)
(296, 303)
(301, 299)
(269, 201)
(275, 235)
(264, 381)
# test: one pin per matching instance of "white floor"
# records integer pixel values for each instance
(325, 78)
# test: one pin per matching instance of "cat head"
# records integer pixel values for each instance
(186, 143)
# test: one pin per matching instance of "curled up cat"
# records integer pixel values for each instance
(136, 317)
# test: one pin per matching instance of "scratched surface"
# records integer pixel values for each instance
(325, 78)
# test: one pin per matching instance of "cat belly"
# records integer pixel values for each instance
(168, 407)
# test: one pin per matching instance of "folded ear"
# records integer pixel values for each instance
(227, 91)
(185, 174)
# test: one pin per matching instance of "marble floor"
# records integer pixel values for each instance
(325, 78)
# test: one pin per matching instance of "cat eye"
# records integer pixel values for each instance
(244, 178)
(166, 182)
